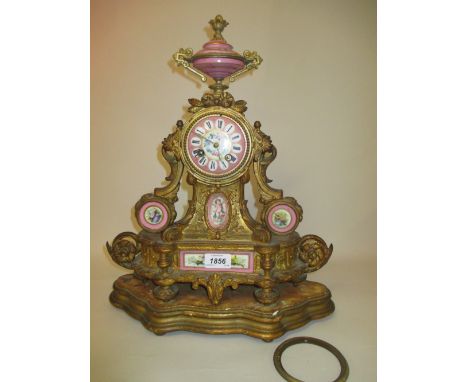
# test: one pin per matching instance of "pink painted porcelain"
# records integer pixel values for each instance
(282, 218)
(218, 60)
(153, 216)
(227, 135)
(217, 211)
(186, 264)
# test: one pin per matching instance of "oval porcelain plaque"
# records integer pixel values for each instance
(217, 211)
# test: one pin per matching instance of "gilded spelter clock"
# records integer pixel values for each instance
(218, 269)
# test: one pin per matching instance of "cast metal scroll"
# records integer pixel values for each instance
(171, 152)
(262, 159)
(124, 249)
(314, 252)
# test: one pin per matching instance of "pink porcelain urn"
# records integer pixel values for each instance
(217, 59)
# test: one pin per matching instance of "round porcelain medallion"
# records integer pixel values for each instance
(282, 218)
(153, 216)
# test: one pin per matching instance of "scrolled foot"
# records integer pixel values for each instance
(165, 293)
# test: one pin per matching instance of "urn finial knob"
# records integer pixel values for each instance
(218, 24)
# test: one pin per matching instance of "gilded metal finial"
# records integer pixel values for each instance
(218, 24)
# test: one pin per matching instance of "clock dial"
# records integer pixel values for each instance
(217, 145)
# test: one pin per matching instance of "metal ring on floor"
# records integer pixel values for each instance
(309, 340)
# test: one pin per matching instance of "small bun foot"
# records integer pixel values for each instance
(266, 296)
(165, 293)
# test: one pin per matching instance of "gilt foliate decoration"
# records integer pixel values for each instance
(224, 99)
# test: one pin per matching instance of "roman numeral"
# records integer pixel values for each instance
(213, 165)
(202, 161)
(235, 138)
(220, 123)
(229, 128)
(208, 125)
(200, 130)
(237, 148)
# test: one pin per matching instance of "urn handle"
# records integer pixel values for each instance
(183, 57)
(252, 60)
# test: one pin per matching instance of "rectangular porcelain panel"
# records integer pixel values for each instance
(217, 261)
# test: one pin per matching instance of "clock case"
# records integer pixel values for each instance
(266, 300)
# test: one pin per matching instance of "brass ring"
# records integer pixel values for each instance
(309, 340)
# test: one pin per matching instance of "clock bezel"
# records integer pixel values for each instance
(233, 175)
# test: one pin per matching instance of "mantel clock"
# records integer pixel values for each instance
(218, 269)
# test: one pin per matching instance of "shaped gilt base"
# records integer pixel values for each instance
(237, 313)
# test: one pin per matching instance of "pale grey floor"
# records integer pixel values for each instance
(123, 351)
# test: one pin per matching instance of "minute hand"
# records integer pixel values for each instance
(203, 137)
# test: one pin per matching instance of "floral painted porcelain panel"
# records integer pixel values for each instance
(218, 211)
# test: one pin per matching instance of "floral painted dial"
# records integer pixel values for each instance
(217, 145)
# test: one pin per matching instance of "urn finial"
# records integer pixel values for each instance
(218, 24)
